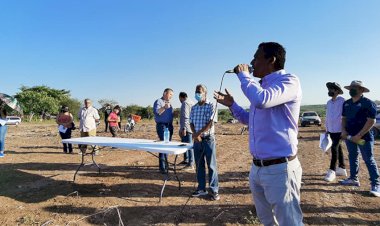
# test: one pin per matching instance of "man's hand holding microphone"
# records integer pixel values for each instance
(227, 99)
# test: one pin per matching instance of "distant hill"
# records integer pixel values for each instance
(319, 108)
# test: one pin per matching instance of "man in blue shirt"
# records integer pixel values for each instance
(163, 115)
(358, 117)
(275, 177)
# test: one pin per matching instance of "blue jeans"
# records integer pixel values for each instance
(276, 193)
(162, 158)
(369, 159)
(188, 156)
(205, 151)
(3, 131)
(67, 148)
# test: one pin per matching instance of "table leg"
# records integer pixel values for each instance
(80, 166)
(175, 172)
(82, 163)
(93, 158)
(167, 177)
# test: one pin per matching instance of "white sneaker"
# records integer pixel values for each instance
(330, 175)
(341, 172)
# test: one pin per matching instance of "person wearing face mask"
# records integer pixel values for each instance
(163, 116)
(202, 119)
(275, 176)
(333, 123)
(358, 117)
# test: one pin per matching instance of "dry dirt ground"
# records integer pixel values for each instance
(36, 184)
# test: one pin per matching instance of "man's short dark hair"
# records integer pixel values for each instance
(274, 49)
(203, 87)
(168, 89)
(183, 95)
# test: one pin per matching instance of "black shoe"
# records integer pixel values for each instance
(215, 196)
(198, 193)
(183, 163)
(188, 168)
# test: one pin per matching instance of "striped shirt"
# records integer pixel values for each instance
(201, 115)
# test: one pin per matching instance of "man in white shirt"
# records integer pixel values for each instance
(334, 109)
(88, 117)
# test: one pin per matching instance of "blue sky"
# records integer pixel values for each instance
(130, 51)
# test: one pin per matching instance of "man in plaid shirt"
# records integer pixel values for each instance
(202, 120)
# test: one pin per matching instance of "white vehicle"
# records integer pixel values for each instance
(13, 120)
(310, 118)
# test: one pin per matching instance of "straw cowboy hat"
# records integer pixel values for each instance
(334, 85)
(357, 83)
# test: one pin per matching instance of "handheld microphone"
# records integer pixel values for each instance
(250, 69)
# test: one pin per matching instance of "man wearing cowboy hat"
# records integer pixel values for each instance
(334, 129)
(358, 117)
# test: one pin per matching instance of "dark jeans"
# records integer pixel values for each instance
(160, 132)
(205, 151)
(336, 151)
(188, 156)
(67, 135)
(106, 124)
(114, 130)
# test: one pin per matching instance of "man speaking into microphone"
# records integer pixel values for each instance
(275, 176)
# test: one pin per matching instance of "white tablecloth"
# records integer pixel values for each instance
(172, 147)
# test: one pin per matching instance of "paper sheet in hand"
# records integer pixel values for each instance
(325, 142)
(62, 129)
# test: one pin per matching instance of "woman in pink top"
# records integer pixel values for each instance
(65, 125)
(113, 121)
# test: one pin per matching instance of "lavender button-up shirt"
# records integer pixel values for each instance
(273, 115)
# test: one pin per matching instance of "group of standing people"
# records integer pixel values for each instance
(88, 119)
(197, 126)
(272, 119)
(351, 120)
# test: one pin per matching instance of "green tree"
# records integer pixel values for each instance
(43, 99)
(104, 102)
(224, 115)
(73, 104)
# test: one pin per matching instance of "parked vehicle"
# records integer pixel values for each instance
(232, 120)
(310, 118)
(13, 120)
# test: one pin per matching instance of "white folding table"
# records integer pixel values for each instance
(151, 146)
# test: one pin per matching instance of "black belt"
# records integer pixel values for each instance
(164, 123)
(260, 163)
